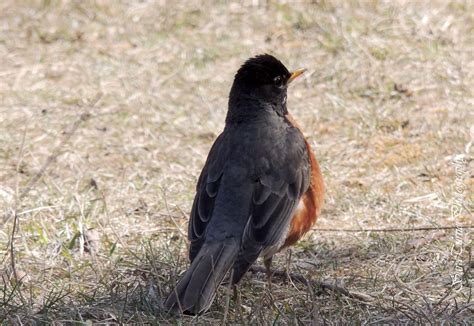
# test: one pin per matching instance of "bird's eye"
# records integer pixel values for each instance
(278, 81)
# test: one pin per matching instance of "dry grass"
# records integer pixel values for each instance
(387, 103)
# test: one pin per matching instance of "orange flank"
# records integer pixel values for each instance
(310, 205)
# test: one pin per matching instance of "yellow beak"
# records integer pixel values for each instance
(295, 74)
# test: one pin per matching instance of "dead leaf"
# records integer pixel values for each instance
(418, 242)
(91, 241)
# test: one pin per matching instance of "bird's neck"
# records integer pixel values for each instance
(245, 107)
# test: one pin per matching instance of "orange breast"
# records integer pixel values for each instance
(310, 204)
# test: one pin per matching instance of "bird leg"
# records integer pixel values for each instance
(268, 265)
(288, 263)
(238, 301)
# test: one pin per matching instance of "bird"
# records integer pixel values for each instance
(260, 190)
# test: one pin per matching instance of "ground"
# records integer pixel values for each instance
(386, 104)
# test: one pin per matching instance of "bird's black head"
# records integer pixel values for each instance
(260, 84)
(262, 70)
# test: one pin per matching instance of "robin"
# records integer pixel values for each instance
(260, 190)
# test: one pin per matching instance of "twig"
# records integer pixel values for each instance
(322, 284)
(67, 135)
(424, 228)
(15, 209)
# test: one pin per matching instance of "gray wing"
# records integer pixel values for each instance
(206, 192)
(276, 195)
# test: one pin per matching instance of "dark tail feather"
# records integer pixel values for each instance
(195, 291)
